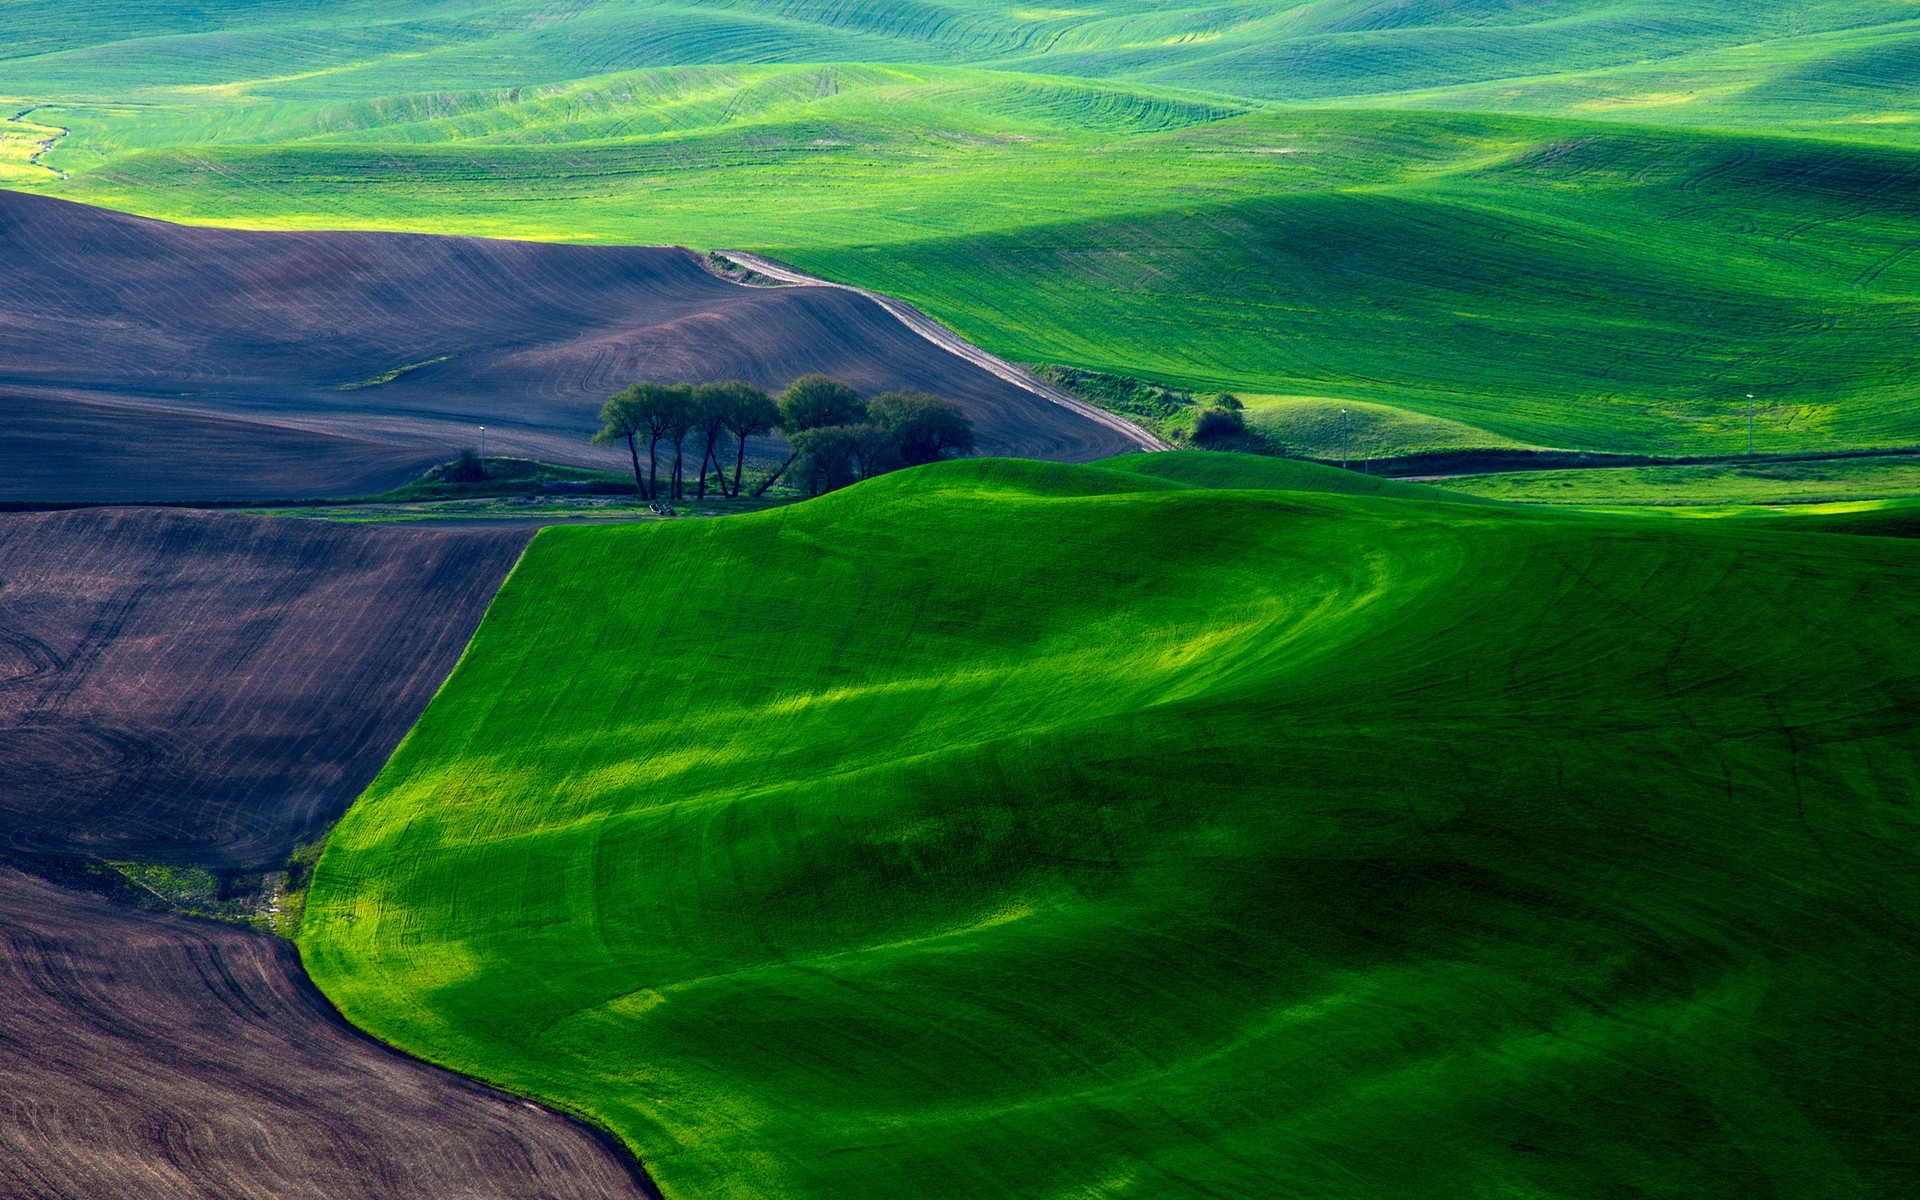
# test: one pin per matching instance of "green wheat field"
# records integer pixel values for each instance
(1008, 829)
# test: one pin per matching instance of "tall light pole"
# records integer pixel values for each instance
(1749, 423)
(1343, 439)
(483, 444)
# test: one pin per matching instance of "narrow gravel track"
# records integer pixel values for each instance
(153, 1056)
(954, 344)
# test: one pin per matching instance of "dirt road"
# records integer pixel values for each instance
(933, 331)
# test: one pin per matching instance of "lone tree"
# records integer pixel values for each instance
(1216, 425)
(924, 427)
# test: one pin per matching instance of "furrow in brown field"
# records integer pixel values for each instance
(215, 688)
(150, 1055)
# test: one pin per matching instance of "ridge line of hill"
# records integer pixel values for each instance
(933, 331)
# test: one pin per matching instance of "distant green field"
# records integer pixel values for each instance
(1569, 223)
(1726, 483)
(1239, 472)
(1004, 829)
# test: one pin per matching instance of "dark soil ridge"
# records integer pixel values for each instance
(141, 360)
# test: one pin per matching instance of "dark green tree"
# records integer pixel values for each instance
(924, 428)
(656, 410)
(755, 414)
(678, 412)
(1215, 425)
(827, 456)
(814, 402)
(621, 421)
(735, 408)
(834, 456)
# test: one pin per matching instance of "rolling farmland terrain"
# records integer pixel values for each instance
(1211, 842)
(1526, 812)
(1567, 224)
(215, 689)
(157, 1056)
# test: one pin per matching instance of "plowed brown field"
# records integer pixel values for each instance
(157, 1056)
(215, 688)
(142, 360)
(212, 689)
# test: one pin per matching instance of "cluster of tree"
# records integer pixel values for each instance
(711, 414)
(837, 437)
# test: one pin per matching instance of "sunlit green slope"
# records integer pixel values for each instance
(997, 829)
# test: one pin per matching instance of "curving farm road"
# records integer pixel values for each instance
(955, 345)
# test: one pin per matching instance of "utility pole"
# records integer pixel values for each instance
(1343, 439)
(1749, 423)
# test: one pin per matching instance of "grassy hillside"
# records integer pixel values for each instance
(1014, 830)
(1567, 223)
(1244, 472)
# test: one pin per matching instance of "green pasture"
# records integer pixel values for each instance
(1573, 224)
(1759, 482)
(1008, 829)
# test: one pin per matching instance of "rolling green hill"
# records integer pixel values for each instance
(1217, 471)
(1006, 829)
(1568, 223)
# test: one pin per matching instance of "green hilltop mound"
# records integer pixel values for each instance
(1218, 470)
(1000, 829)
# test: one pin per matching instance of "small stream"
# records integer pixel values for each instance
(46, 144)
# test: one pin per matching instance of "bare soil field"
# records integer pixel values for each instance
(63, 445)
(213, 689)
(145, 1054)
(143, 360)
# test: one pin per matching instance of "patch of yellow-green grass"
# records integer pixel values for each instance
(1312, 427)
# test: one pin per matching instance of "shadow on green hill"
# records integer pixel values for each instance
(995, 827)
